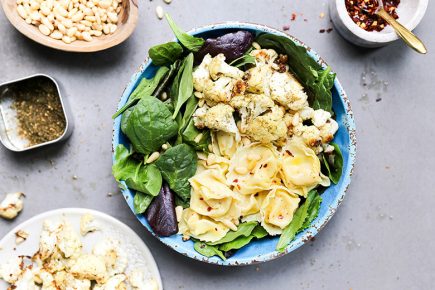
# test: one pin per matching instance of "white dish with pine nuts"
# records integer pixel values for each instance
(74, 25)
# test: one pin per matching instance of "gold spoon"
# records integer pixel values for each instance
(410, 39)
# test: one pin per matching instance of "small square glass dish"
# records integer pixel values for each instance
(33, 113)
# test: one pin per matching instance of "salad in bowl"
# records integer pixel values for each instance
(233, 144)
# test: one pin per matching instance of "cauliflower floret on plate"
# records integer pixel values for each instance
(113, 254)
(90, 267)
(258, 78)
(10, 270)
(287, 91)
(69, 242)
(25, 281)
(270, 127)
(219, 91)
(88, 224)
(218, 67)
(11, 206)
(264, 56)
(219, 117)
(320, 117)
(113, 283)
(201, 75)
(251, 106)
(328, 130)
(138, 282)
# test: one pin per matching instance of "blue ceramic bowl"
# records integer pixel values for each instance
(261, 250)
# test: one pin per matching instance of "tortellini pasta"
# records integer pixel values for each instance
(226, 142)
(212, 197)
(300, 169)
(277, 209)
(200, 227)
(253, 168)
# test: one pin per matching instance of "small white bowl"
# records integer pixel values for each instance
(410, 14)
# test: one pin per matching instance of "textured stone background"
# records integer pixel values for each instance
(380, 238)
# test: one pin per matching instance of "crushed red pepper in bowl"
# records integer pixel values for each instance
(363, 14)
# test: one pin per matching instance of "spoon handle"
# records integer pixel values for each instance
(413, 41)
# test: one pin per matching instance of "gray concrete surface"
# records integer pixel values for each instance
(380, 238)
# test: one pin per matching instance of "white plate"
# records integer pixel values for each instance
(139, 255)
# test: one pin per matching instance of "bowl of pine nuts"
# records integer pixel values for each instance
(74, 25)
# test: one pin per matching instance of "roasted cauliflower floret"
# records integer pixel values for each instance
(310, 134)
(90, 267)
(219, 91)
(218, 67)
(114, 283)
(138, 281)
(88, 224)
(328, 130)
(258, 78)
(264, 56)
(287, 91)
(251, 106)
(201, 75)
(320, 117)
(269, 127)
(219, 117)
(11, 206)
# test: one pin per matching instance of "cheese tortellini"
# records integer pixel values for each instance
(277, 209)
(192, 224)
(300, 170)
(253, 168)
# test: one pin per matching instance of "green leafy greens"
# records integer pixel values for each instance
(258, 233)
(243, 60)
(302, 218)
(318, 81)
(165, 54)
(334, 164)
(182, 87)
(177, 165)
(150, 125)
(190, 42)
(145, 88)
(244, 230)
(141, 202)
(207, 250)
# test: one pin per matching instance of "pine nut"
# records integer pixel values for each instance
(77, 17)
(86, 23)
(153, 157)
(44, 29)
(113, 28)
(198, 138)
(168, 1)
(22, 12)
(256, 45)
(106, 29)
(56, 34)
(105, 4)
(159, 12)
(35, 16)
(67, 23)
(66, 39)
(96, 32)
(113, 17)
(72, 31)
(47, 23)
(87, 36)
(61, 28)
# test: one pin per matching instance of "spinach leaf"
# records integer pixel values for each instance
(244, 230)
(150, 125)
(124, 165)
(191, 105)
(297, 223)
(177, 165)
(207, 250)
(141, 202)
(190, 134)
(313, 211)
(185, 85)
(258, 232)
(146, 179)
(168, 77)
(145, 88)
(165, 54)
(334, 163)
(317, 81)
(124, 119)
(243, 60)
(192, 43)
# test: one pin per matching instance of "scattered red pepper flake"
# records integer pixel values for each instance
(209, 208)
(293, 17)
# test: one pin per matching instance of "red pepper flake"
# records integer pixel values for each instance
(289, 153)
(293, 17)
(280, 217)
(235, 180)
(209, 208)
(362, 12)
(265, 165)
(201, 198)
